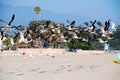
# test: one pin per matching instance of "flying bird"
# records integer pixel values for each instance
(102, 27)
(112, 24)
(13, 17)
(6, 26)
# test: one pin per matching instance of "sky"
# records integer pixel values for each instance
(95, 9)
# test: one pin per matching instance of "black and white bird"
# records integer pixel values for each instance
(112, 23)
(103, 28)
(70, 25)
(107, 30)
(7, 25)
(90, 28)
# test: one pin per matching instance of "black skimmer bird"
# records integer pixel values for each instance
(22, 38)
(13, 17)
(5, 23)
(90, 28)
(71, 25)
(112, 24)
(8, 25)
(105, 29)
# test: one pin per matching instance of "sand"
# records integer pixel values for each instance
(57, 64)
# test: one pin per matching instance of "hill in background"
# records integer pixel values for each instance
(25, 14)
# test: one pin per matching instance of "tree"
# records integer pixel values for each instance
(115, 42)
(117, 33)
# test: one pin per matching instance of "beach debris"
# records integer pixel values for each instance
(20, 74)
(51, 55)
(8, 73)
(43, 71)
(116, 61)
(66, 60)
(30, 55)
(73, 50)
(12, 55)
(17, 54)
(95, 54)
(40, 54)
(23, 53)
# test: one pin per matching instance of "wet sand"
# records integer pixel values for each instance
(57, 64)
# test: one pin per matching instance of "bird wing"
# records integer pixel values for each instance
(113, 23)
(11, 19)
(68, 22)
(106, 26)
(72, 23)
(93, 25)
(16, 36)
(101, 26)
(5, 23)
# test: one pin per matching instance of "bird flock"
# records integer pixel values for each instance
(43, 33)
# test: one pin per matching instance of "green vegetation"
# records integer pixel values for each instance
(115, 42)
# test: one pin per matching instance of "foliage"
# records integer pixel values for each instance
(9, 46)
(6, 42)
(23, 43)
(14, 47)
(115, 42)
(78, 44)
(117, 33)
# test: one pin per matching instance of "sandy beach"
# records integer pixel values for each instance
(57, 64)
